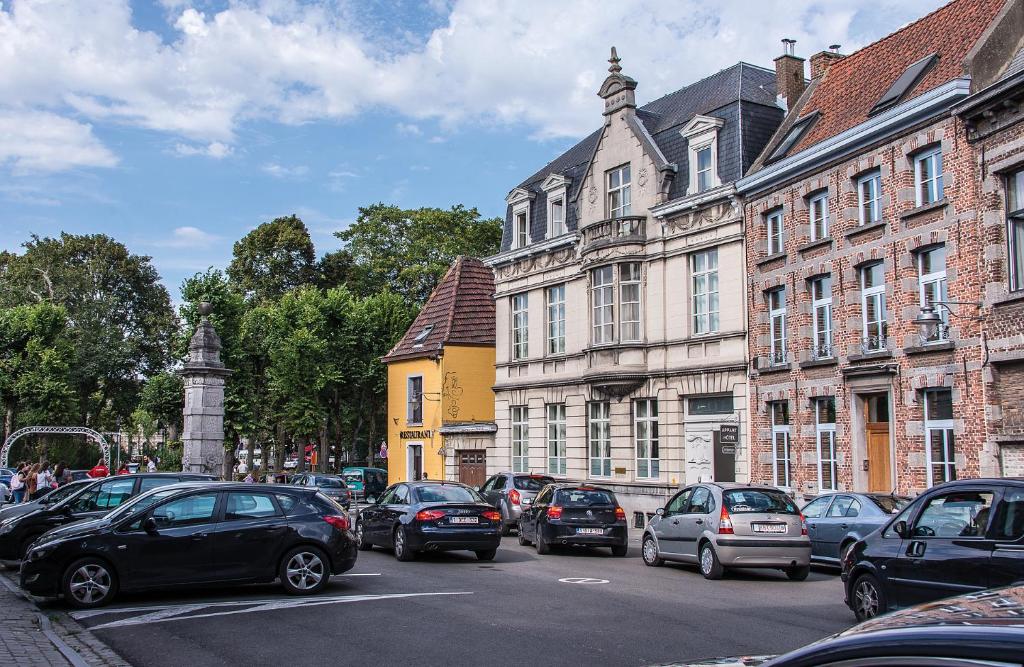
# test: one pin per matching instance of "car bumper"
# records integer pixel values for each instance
(9, 547)
(447, 539)
(616, 535)
(763, 552)
(343, 557)
(40, 578)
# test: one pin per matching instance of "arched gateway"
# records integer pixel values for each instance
(63, 430)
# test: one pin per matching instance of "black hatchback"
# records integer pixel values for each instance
(574, 514)
(955, 538)
(194, 534)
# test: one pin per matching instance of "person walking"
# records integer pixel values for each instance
(44, 479)
(150, 464)
(62, 474)
(123, 470)
(32, 482)
(18, 484)
(99, 470)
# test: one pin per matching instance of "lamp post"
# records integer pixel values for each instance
(929, 320)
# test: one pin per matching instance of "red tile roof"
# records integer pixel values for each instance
(460, 310)
(854, 84)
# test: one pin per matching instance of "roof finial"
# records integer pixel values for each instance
(614, 60)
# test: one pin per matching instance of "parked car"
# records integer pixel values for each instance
(574, 514)
(51, 498)
(721, 525)
(100, 497)
(195, 534)
(332, 486)
(5, 476)
(430, 516)
(836, 520)
(510, 493)
(957, 537)
(367, 484)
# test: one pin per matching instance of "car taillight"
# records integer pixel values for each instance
(620, 514)
(514, 496)
(803, 526)
(338, 521)
(492, 515)
(725, 523)
(554, 512)
(429, 515)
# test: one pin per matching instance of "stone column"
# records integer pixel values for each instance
(204, 375)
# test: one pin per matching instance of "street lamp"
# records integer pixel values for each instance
(929, 320)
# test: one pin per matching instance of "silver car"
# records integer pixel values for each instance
(720, 525)
(511, 493)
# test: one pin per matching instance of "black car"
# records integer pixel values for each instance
(195, 533)
(430, 516)
(574, 514)
(51, 498)
(99, 498)
(955, 538)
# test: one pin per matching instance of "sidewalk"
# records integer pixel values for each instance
(32, 636)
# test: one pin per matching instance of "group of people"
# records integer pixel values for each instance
(101, 470)
(31, 481)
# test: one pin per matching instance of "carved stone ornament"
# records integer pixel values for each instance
(641, 177)
(592, 195)
(618, 251)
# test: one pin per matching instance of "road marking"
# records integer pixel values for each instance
(582, 580)
(359, 574)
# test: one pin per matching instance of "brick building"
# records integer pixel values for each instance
(863, 215)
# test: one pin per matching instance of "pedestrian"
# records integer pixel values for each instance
(44, 479)
(123, 470)
(18, 483)
(99, 470)
(32, 481)
(62, 474)
(150, 464)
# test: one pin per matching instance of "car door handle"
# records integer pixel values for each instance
(700, 521)
(916, 549)
(675, 522)
(843, 526)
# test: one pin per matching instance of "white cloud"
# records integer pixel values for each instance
(281, 171)
(215, 150)
(411, 129)
(32, 141)
(187, 238)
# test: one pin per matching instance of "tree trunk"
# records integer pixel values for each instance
(279, 451)
(325, 454)
(8, 420)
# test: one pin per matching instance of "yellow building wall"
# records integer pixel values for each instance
(466, 394)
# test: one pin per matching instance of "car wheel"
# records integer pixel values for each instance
(361, 541)
(620, 550)
(305, 570)
(798, 573)
(542, 547)
(710, 566)
(650, 553)
(868, 598)
(88, 583)
(523, 542)
(402, 550)
(487, 554)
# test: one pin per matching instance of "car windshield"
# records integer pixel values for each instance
(890, 504)
(140, 503)
(62, 492)
(583, 498)
(531, 482)
(447, 494)
(330, 482)
(353, 477)
(751, 501)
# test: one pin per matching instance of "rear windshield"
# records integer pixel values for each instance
(353, 477)
(531, 483)
(751, 501)
(330, 482)
(890, 504)
(583, 497)
(447, 494)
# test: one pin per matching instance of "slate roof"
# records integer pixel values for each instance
(460, 310)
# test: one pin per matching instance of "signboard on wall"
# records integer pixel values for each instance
(727, 440)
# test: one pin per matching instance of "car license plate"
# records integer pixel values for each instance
(774, 528)
(465, 519)
(527, 501)
(590, 531)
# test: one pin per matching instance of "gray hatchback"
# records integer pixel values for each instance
(511, 493)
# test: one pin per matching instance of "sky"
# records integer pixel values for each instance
(177, 126)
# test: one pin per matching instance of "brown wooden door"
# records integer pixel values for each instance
(473, 467)
(879, 470)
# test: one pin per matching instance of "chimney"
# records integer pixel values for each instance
(789, 74)
(820, 62)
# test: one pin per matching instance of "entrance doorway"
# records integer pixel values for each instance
(473, 467)
(877, 439)
(414, 461)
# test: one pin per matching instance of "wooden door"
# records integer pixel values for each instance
(473, 467)
(879, 470)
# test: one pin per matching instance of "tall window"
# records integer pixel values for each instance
(556, 439)
(629, 300)
(938, 428)
(556, 319)
(520, 326)
(618, 192)
(869, 198)
(931, 271)
(875, 316)
(520, 439)
(825, 433)
(600, 438)
(645, 430)
(777, 325)
(603, 295)
(779, 413)
(704, 180)
(928, 176)
(1015, 229)
(414, 400)
(821, 314)
(819, 216)
(775, 240)
(522, 233)
(704, 267)
(557, 221)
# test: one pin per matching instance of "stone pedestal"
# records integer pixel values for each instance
(204, 375)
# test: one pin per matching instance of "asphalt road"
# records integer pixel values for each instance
(451, 609)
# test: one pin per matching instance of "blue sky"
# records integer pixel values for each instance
(177, 126)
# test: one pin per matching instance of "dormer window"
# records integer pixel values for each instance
(520, 200)
(422, 335)
(701, 135)
(704, 169)
(522, 231)
(556, 217)
(619, 198)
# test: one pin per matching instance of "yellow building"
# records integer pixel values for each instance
(440, 375)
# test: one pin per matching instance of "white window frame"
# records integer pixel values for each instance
(555, 296)
(599, 439)
(817, 207)
(409, 400)
(870, 201)
(708, 173)
(821, 316)
(520, 422)
(646, 438)
(776, 234)
(602, 295)
(623, 189)
(557, 459)
(1015, 231)
(705, 298)
(876, 293)
(554, 230)
(935, 279)
(519, 306)
(780, 431)
(635, 285)
(702, 133)
(825, 438)
(946, 427)
(777, 326)
(928, 189)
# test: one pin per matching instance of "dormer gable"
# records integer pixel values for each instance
(555, 182)
(519, 195)
(699, 125)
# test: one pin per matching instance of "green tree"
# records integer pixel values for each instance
(272, 259)
(163, 398)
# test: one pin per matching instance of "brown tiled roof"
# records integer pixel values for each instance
(460, 310)
(852, 86)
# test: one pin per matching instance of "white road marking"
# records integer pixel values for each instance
(582, 580)
(359, 574)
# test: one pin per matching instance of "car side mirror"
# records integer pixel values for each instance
(149, 525)
(900, 528)
(660, 511)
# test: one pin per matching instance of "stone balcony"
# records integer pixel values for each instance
(630, 229)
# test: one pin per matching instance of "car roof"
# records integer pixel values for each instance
(433, 482)
(509, 473)
(726, 486)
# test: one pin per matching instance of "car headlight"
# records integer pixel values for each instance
(41, 552)
(6, 526)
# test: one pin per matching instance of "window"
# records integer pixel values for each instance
(704, 267)
(680, 503)
(599, 435)
(704, 167)
(869, 198)
(520, 439)
(840, 506)
(604, 304)
(779, 414)
(955, 515)
(422, 335)
(105, 496)
(825, 433)
(816, 507)
(1009, 524)
(931, 271)
(629, 308)
(556, 319)
(875, 317)
(522, 230)
(645, 430)
(249, 506)
(775, 240)
(928, 176)
(940, 445)
(777, 325)
(821, 315)
(798, 130)
(187, 511)
(556, 439)
(701, 501)
(556, 218)
(904, 84)
(710, 405)
(520, 323)
(148, 483)
(618, 192)
(414, 400)
(818, 206)
(1015, 229)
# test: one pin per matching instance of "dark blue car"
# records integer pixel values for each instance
(836, 520)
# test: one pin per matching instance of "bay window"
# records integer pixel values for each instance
(629, 302)
(603, 299)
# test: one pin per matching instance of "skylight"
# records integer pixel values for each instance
(798, 130)
(422, 336)
(904, 84)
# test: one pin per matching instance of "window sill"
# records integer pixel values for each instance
(1010, 299)
(879, 354)
(943, 346)
(818, 363)
(924, 208)
(771, 258)
(864, 229)
(814, 245)
(775, 368)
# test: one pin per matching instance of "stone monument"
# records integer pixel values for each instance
(204, 375)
